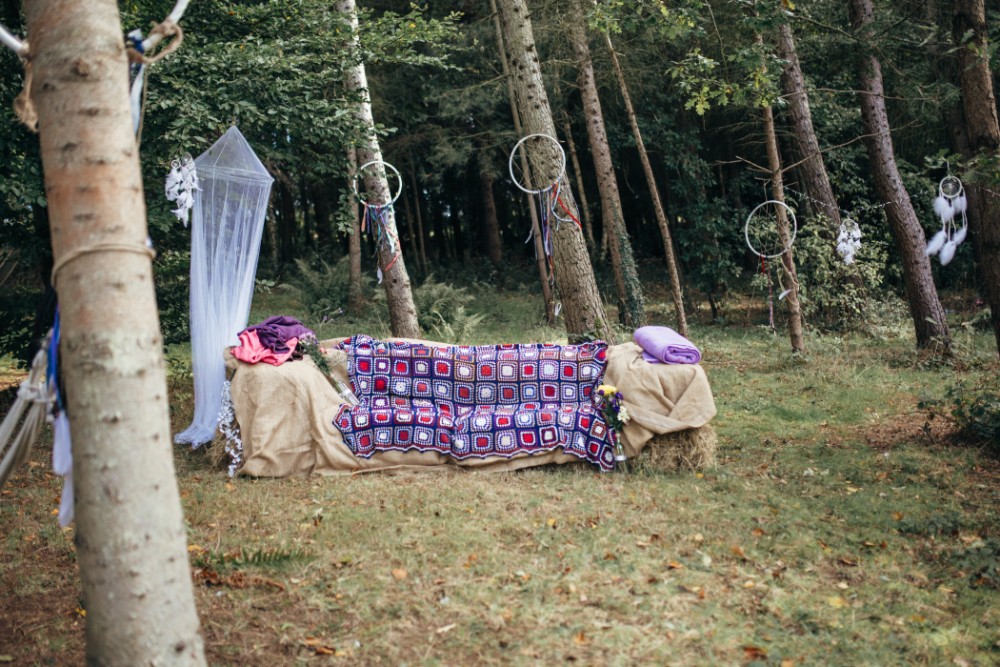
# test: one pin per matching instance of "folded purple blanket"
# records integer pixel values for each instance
(275, 331)
(663, 345)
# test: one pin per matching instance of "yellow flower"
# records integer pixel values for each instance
(607, 390)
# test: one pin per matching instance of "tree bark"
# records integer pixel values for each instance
(574, 276)
(784, 232)
(983, 131)
(673, 275)
(491, 223)
(925, 307)
(812, 167)
(396, 281)
(581, 194)
(355, 292)
(130, 534)
(420, 218)
(631, 309)
(536, 234)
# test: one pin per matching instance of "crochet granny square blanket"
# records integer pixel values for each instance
(476, 401)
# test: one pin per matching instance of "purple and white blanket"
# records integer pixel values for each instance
(476, 401)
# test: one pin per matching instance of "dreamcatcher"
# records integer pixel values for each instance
(182, 181)
(849, 240)
(769, 238)
(552, 209)
(377, 219)
(949, 205)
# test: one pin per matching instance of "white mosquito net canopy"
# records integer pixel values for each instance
(227, 224)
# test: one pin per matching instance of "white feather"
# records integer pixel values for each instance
(959, 236)
(943, 208)
(947, 253)
(936, 242)
(960, 204)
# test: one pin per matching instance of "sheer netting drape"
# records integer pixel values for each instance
(226, 228)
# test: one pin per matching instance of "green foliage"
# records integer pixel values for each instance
(981, 560)
(17, 312)
(323, 288)
(836, 296)
(441, 311)
(261, 557)
(171, 275)
(974, 410)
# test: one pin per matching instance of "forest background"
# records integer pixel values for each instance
(699, 80)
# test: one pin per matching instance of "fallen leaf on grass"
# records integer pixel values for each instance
(446, 628)
(897, 516)
(399, 574)
(757, 532)
(319, 646)
(581, 638)
(836, 602)
(674, 565)
(848, 560)
(787, 662)
(752, 652)
(737, 551)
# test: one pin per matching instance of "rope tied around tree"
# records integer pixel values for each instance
(76, 253)
(136, 50)
(24, 108)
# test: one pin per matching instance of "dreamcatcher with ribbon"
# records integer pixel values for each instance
(552, 207)
(769, 237)
(378, 217)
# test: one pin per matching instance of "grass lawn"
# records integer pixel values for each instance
(839, 527)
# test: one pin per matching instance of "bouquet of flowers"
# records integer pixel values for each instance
(609, 399)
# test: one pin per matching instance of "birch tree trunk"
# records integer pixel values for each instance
(925, 307)
(574, 276)
(983, 129)
(654, 192)
(632, 312)
(581, 193)
(355, 293)
(130, 535)
(395, 280)
(812, 167)
(543, 271)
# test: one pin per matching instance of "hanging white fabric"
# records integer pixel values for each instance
(226, 228)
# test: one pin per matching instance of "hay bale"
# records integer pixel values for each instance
(692, 449)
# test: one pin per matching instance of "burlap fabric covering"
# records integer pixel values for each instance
(286, 412)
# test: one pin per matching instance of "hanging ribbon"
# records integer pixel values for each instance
(375, 220)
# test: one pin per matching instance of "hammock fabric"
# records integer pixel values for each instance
(482, 401)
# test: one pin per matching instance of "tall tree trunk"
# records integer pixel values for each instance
(784, 232)
(631, 309)
(925, 307)
(396, 281)
(581, 194)
(654, 192)
(491, 223)
(355, 292)
(574, 276)
(420, 218)
(536, 234)
(812, 168)
(130, 534)
(980, 106)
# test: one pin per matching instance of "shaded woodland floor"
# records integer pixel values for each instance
(839, 527)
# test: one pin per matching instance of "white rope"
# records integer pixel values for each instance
(23, 424)
(157, 37)
(8, 39)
